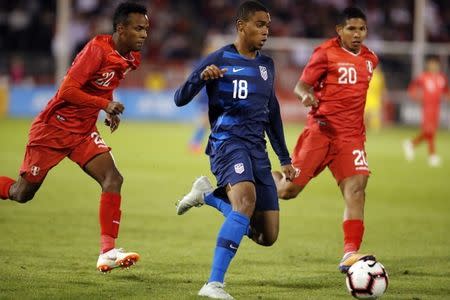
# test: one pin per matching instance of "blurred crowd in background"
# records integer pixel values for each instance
(179, 31)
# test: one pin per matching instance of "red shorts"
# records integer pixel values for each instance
(316, 150)
(48, 145)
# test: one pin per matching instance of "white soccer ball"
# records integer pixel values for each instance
(367, 279)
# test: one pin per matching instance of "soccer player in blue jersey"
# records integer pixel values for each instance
(201, 128)
(243, 107)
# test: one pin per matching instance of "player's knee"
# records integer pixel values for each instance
(246, 205)
(287, 193)
(22, 197)
(113, 181)
(268, 241)
(356, 195)
(249, 203)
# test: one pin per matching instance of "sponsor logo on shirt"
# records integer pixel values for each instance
(239, 168)
(263, 72)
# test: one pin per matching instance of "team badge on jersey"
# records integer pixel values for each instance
(239, 168)
(263, 71)
(369, 66)
(35, 170)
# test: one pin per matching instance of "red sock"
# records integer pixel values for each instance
(5, 185)
(431, 146)
(418, 139)
(353, 234)
(109, 216)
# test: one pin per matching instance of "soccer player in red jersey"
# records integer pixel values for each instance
(334, 83)
(428, 88)
(67, 126)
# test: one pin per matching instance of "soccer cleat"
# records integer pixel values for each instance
(116, 258)
(350, 258)
(214, 290)
(434, 160)
(408, 149)
(196, 196)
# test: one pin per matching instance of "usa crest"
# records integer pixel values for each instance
(239, 168)
(369, 66)
(263, 72)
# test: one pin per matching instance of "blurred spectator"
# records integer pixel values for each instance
(180, 28)
(17, 70)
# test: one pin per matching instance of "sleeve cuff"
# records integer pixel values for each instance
(285, 161)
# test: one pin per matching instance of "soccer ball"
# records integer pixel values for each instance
(367, 279)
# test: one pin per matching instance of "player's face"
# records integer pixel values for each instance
(352, 34)
(135, 32)
(433, 66)
(256, 30)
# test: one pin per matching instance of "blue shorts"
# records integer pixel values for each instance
(240, 165)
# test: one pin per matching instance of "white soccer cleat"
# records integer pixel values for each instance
(196, 196)
(116, 258)
(434, 160)
(408, 149)
(214, 290)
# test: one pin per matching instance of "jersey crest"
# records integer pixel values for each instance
(263, 71)
(239, 168)
(369, 66)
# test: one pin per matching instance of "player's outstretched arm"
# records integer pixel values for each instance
(275, 131)
(305, 94)
(70, 91)
(196, 82)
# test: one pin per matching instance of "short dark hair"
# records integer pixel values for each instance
(350, 13)
(124, 9)
(249, 7)
(432, 57)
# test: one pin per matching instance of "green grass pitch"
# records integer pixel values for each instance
(49, 247)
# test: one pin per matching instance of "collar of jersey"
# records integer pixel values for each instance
(244, 57)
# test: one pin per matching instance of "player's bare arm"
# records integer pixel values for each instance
(305, 94)
(212, 72)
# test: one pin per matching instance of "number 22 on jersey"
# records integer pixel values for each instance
(106, 78)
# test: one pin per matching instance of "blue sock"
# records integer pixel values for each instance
(220, 204)
(198, 135)
(228, 240)
(223, 206)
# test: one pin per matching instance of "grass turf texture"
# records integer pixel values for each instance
(49, 246)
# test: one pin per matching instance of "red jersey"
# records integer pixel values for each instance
(432, 86)
(99, 69)
(340, 79)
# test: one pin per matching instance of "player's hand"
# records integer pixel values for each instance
(112, 121)
(212, 72)
(115, 108)
(309, 99)
(290, 172)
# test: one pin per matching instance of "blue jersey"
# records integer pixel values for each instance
(242, 104)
